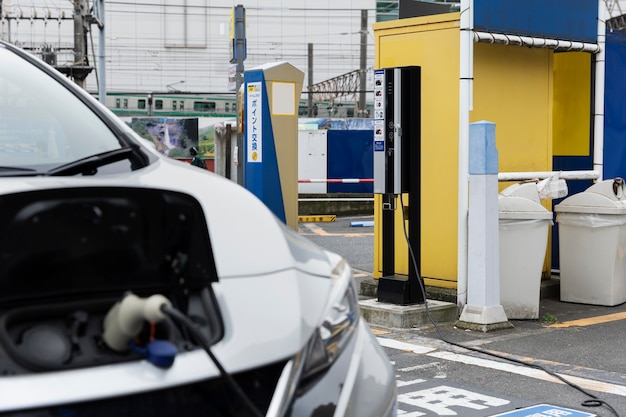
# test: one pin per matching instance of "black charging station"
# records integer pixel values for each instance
(397, 170)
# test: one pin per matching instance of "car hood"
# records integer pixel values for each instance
(247, 238)
(272, 284)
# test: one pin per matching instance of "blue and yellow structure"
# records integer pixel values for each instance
(271, 96)
(539, 99)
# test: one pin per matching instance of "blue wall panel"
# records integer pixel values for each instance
(557, 19)
(350, 155)
(568, 163)
(615, 106)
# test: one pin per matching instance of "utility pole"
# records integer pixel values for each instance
(310, 83)
(80, 32)
(98, 18)
(1, 14)
(238, 55)
(363, 69)
(8, 36)
(79, 69)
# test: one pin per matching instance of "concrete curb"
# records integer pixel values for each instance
(550, 288)
(442, 308)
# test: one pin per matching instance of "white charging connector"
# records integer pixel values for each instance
(125, 319)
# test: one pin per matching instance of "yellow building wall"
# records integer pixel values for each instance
(431, 42)
(572, 104)
(516, 92)
(512, 88)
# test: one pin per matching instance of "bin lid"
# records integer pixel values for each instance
(512, 207)
(603, 197)
(523, 189)
(521, 201)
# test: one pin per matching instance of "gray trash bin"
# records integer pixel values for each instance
(592, 244)
(523, 234)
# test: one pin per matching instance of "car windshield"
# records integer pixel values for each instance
(42, 124)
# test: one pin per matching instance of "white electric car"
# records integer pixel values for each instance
(132, 284)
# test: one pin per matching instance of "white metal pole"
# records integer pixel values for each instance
(483, 308)
(598, 118)
(465, 93)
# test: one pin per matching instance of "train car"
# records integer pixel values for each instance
(326, 109)
(180, 104)
(171, 105)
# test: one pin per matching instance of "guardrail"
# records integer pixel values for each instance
(565, 175)
(502, 177)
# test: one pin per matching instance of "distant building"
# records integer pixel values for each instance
(185, 46)
(391, 10)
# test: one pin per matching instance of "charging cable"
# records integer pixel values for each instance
(126, 318)
(185, 321)
(594, 402)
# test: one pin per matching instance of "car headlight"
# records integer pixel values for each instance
(339, 323)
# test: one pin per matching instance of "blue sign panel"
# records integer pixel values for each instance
(544, 410)
(357, 144)
(575, 20)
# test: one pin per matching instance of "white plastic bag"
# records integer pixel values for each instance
(552, 187)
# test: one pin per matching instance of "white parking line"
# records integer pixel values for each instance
(409, 347)
(420, 367)
(401, 384)
(585, 383)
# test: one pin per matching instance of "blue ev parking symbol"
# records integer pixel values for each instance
(544, 410)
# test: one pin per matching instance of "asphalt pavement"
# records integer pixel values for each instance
(570, 362)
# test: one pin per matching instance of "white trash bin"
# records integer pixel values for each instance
(523, 234)
(592, 244)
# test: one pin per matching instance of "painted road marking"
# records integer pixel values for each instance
(567, 369)
(420, 367)
(407, 347)
(401, 384)
(584, 383)
(532, 372)
(362, 224)
(316, 229)
(590, 321)
(439, 400)
(313, 228)
(445, 400)
(437, 365)
(544, 410)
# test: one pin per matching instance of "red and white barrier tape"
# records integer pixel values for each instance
(337, 180)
